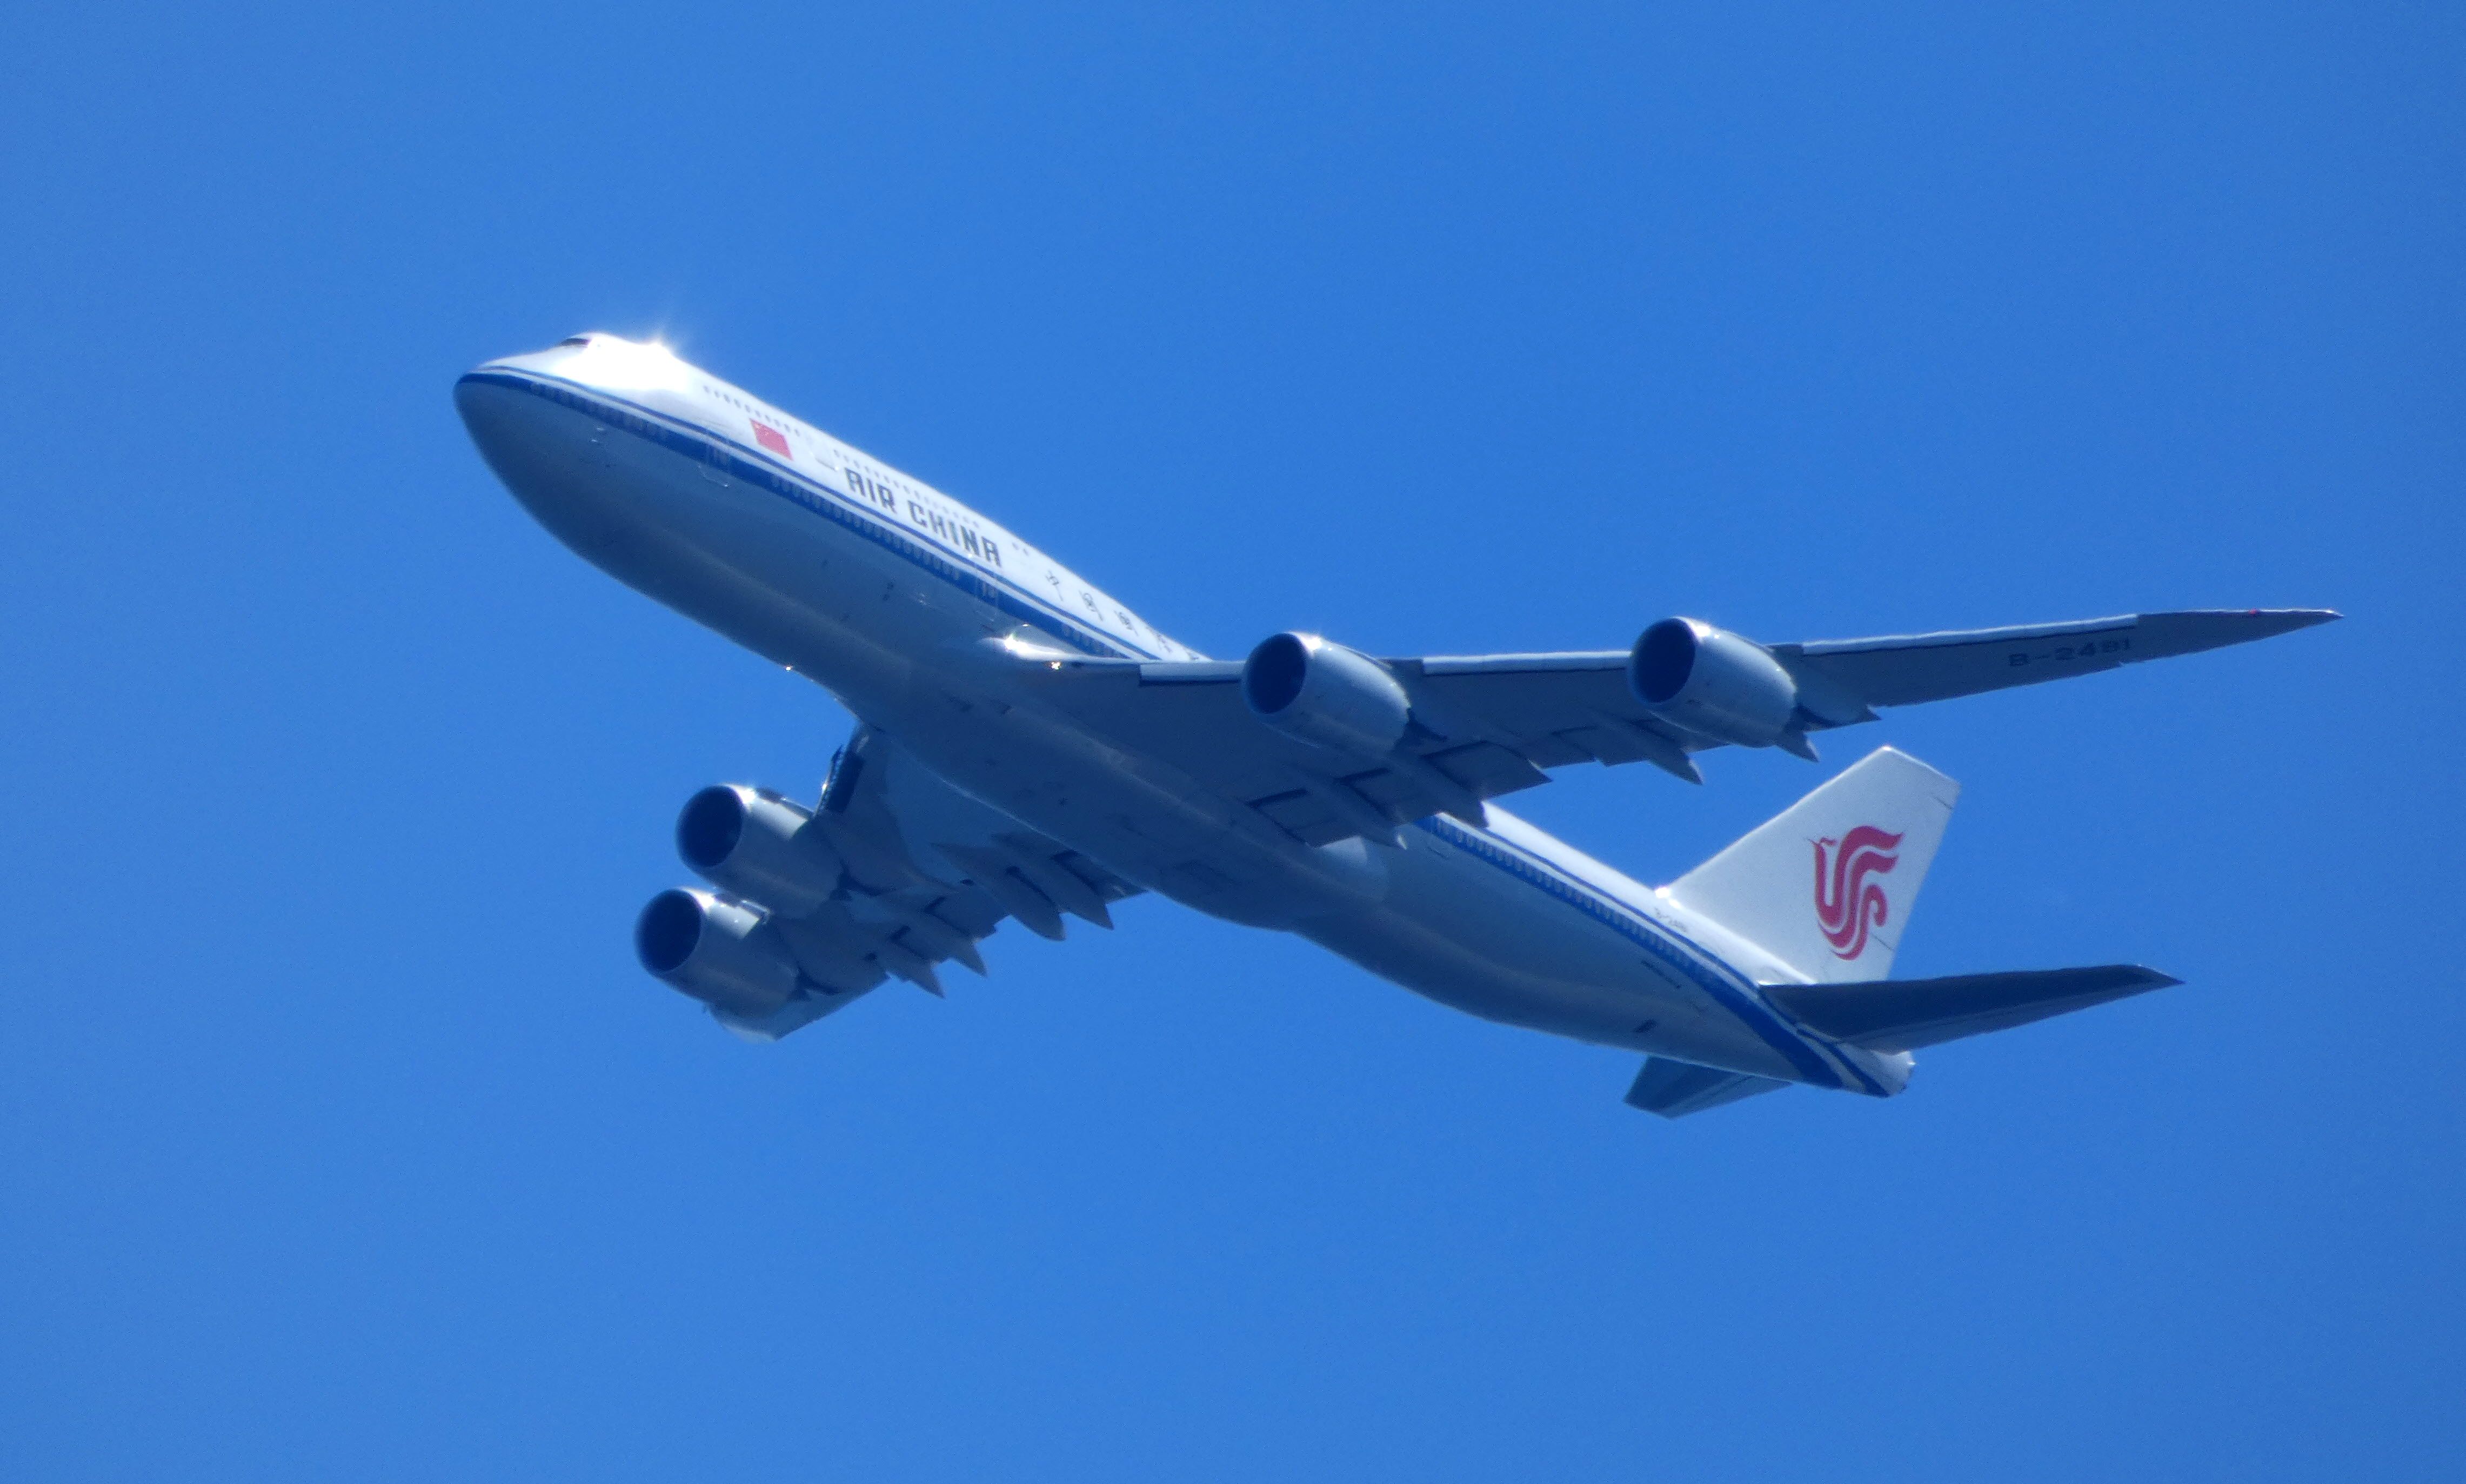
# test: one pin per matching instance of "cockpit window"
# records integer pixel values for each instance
(575, 340)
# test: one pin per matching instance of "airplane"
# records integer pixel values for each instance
(1027, 748)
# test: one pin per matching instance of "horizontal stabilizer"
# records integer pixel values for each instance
(1903, 1015)
(1674, 1090)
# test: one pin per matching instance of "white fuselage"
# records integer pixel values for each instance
(896, 598)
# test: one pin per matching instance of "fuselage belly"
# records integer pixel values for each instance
(813, 569)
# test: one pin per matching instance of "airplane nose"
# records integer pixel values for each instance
(503, 424)
(549, 457)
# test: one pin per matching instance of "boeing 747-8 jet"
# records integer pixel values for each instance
(1026, 747)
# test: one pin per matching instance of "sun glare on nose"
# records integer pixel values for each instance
(628, 364)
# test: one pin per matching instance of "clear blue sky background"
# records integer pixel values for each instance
(341, 1138)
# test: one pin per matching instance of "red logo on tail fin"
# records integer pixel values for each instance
(1848, 905)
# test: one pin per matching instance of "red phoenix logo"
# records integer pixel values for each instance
(1848, 905)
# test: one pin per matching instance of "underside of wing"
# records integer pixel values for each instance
(928, 873)
(1346, 745)
(1477, 728)
(1192, 718)
(1906, 669)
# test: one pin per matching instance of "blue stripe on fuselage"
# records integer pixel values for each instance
(832, 504)
(1726, 986)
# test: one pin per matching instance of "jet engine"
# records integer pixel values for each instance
(1325, 694)
(1713, 683)
(757, 844)
(721, 952)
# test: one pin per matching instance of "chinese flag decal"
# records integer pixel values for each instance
(771, 439)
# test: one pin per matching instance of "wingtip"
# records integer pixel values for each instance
(2242, 625)
(2298, 618)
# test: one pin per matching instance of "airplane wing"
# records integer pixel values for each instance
(930, 872)
(1487, 725)
(1915, 668)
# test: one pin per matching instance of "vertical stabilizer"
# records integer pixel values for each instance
(1827, 885)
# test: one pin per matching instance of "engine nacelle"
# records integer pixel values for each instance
(757, 844)
(1326, 695)
(722, 953)
(1712, 683)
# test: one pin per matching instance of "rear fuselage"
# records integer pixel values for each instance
(923, 618)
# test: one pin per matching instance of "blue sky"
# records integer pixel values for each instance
(340, 1137)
